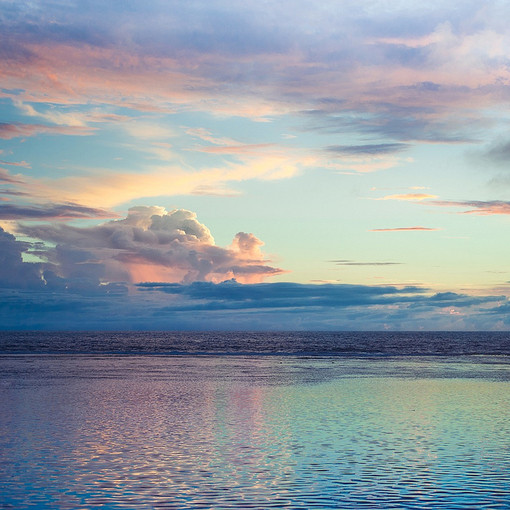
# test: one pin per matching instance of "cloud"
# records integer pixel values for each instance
(6, 177)
(353, 263)
(233, 306)
(146, 130)
(426, 69)
(233, 295)
(403, 229)
(51, 211)
(372, 149)
(23, 164)
(37, 296)
(68, 117)
(409, 197)
(150, 244)
(17, 130)
(14, 272)
(498, 153)
(487, 208)
(103, 188)
(244, 149)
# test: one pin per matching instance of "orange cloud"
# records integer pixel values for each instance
(409, 197)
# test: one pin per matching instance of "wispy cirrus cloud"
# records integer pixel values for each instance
(363, 150)
(106, 188)
(17, 130)
(356, 263)
(404, 229)
(22, 164)
(7, 177)
(69, 117)
(409, 197)
(483, 208)
(52, 212)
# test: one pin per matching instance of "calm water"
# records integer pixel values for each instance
(339, 428)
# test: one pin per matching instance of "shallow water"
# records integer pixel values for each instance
(153, 431)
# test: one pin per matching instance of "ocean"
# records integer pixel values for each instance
(254, 420)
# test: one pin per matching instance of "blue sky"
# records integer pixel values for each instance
(344, 164)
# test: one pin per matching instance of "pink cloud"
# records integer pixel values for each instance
(60, 73)
(23, 164)
(487, 208)
(16, 130)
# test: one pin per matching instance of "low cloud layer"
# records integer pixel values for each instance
(233, 306)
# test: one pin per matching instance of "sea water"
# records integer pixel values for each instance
(239, 420)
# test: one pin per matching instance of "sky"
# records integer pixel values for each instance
(292, 165)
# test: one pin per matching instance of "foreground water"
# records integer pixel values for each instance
(359, 430)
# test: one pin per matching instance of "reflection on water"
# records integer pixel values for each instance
(253, 432)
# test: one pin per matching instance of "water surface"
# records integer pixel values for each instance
(144, 431)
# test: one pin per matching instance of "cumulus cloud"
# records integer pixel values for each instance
(14, 272)
(151, 244)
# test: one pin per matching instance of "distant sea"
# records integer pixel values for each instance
(254, 420)
(277, 343)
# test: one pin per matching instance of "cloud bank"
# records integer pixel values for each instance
(159, 270)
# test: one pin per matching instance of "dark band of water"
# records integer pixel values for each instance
(275, 343)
